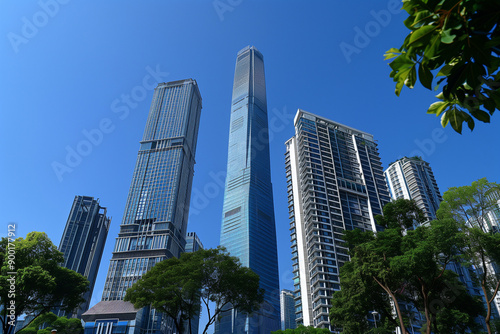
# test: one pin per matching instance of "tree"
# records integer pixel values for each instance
(32, 280)
(408, 266)
(63, 325)
(303, 330)
(175, 286)
(470, 206)
(458, 39)
(356, 299)
(372, 255)
(436, 291)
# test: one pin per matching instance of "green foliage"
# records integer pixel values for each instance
(175, 286)
(63, 325)
(469, 206)
(40, 283)
(405, 266)
(458, 39)
(303, 330)
(359, 295)
(401, 214)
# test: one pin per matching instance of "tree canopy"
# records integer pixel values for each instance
(473, 207)
(175, 286)
(459, 41)
(471, 204)
(303, 330)
(63, 325)
(407, 267)
(33, 280)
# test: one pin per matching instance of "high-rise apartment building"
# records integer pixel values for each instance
(287, 306)
(412, 178)
(248, 228)
(335, 183)
(155, 219)
(82, 242)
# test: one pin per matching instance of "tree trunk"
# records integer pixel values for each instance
(396, 305)
(488, 305)
(426, 309)
(483, 286)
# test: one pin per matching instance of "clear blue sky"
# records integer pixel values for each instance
(71, 70)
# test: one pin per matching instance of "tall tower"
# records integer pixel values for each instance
(155, 219)
(335, 183)
(83, 240)
(412, 178)
(248, 229)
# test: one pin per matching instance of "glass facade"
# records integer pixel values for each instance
(83, 241)
(287, 305)
(248, 227)
(335, 183)
(155, 219)
(193, 243)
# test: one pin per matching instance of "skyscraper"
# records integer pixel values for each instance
(287, 306)
(155, 219)
(193, 244)
(248, 228)
(335, 183)
(83, 240)
(412, 178)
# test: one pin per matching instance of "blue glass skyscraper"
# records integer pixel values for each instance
(83, 241)
(155, 220)
(248, 228)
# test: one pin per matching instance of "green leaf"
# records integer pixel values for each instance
(432, 48)
(481, 115)
(470, 121)
(445, 70)
(422, 35)
(474, 76)
(425, 76)
(420, 18)
(489, 105)
(457, 117)
(409, 22)
(495, 96)
(437, 108)
(447, 37)
(444, 120)
(391, 53)
(393, 50)
(402, 77)
(401, 62)
(399, 86)
(457, 77)
(412, 77)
